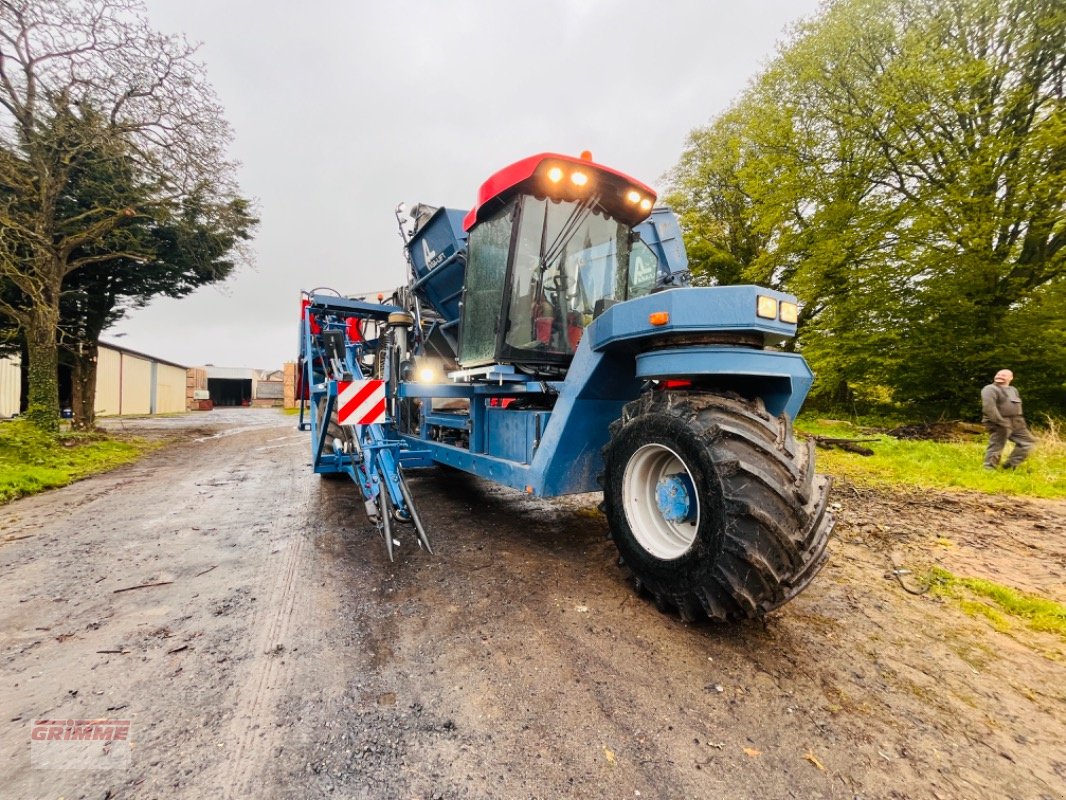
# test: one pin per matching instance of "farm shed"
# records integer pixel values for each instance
(243, 386)
(10, 386)
(128, 382)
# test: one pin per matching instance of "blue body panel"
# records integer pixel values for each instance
(383, 452)
(691, 310)
(662, 233)
(546, 437)
(437, 253)
(609, 369)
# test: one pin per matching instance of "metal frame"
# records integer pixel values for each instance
(372, 456)
(611, 366)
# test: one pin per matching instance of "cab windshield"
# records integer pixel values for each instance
(569, 261)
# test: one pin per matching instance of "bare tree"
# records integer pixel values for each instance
(85, 84)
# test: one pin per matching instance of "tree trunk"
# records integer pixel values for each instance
(83, 387)
(42, 406)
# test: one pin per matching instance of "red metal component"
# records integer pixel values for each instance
(515, 177)
(352, 326)
(315, 327)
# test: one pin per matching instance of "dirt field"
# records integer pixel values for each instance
(282, 656)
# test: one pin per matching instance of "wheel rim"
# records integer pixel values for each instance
(660, 501)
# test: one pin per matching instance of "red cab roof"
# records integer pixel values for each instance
(511, 179)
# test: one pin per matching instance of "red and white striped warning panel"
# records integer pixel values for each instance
(361, 402)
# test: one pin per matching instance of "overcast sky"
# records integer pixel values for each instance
(343, 108)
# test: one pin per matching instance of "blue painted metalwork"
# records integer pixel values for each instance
(612, 364)
(674, 495)
(662, 234)
(333, 348)
(437, 255)
(690, 310)
(545, 436)
(782, 380)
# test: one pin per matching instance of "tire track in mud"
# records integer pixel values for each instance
(253, 730)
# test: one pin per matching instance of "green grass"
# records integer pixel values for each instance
(998, 603)
(31, 461)
(940, 465)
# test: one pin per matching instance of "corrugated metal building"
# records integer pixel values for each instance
(242, 386)
(10, 385)
(128, 382)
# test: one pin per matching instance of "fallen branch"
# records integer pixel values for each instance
(850, 445)
(142, 586)
(198, 574)
(13, 538)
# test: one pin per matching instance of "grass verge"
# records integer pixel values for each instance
(940, 465)
(32, 461)
(999, 604)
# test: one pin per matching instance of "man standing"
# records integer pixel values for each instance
(1001, 407)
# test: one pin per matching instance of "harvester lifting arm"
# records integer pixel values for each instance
(351, 433)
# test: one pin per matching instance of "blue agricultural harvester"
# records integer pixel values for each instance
(549, 340)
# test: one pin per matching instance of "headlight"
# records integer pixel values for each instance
(789, 312)
(428, 370)
(766, 307)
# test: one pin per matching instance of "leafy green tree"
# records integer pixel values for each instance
(88, 88)
(197, 245)
(903, 170)
(182, 249)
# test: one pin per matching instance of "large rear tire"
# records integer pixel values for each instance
(712, 504)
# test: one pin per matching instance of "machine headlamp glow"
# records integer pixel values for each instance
(789, 312)
(558, 174)
(635, 198)
(766, 307)
(428, 370)
(772, 308)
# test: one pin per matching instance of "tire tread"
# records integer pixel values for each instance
(774, 520)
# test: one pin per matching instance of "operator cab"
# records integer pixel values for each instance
(551, 245)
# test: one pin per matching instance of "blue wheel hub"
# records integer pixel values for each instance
(674, 495)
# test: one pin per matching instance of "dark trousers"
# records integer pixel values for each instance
(1014, 430)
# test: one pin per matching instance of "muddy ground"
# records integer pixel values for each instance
(281, 655)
